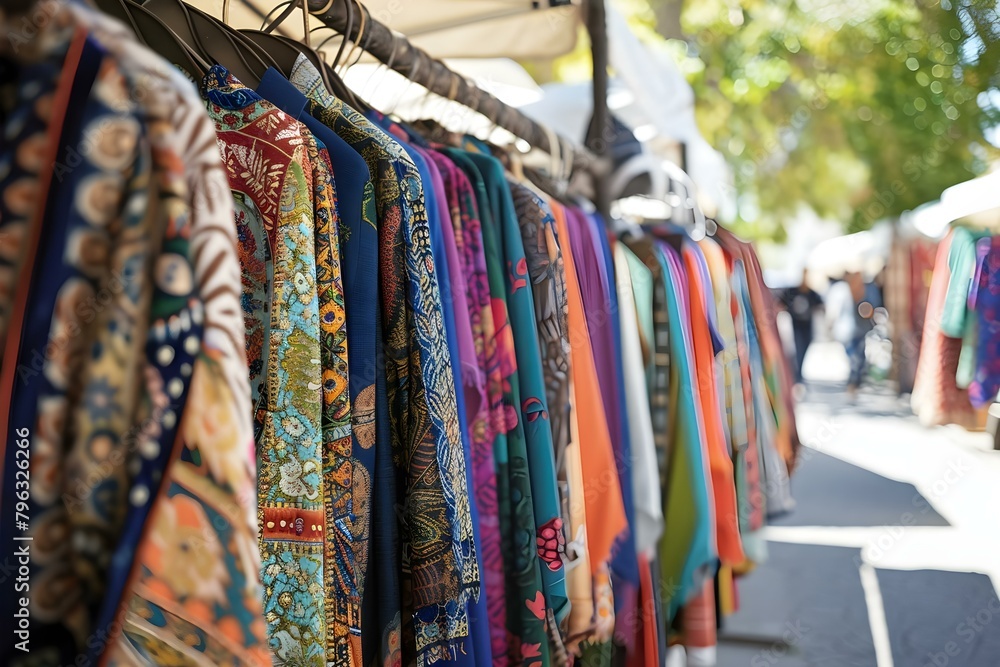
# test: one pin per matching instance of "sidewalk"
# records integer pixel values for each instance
(892, 555)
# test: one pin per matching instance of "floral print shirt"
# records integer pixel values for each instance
(267, 159)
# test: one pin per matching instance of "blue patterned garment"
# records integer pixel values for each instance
(442, 573)
(89, 209)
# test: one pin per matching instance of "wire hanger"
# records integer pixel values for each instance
(283, 53)
(427, 94)
(410, 76)
(384, 68)
(355, 44)
(346, 35)
(689, 201)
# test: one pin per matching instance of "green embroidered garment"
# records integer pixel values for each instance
(265, 153)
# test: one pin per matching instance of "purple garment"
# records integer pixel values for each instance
(593, 278)
(982, 249)
(472, 378)
(984, 387)
(489, 419)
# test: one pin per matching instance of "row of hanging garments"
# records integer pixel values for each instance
(958, 372)
(285, 381)
(907, 278)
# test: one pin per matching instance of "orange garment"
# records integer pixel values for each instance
(727, 527)
(579, 580)
(602, 493)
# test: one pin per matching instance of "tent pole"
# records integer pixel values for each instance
(599, 133)
(416, 65)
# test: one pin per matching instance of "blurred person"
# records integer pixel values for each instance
(801, 303)
(864, 299)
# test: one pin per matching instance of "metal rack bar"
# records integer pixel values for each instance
(415, 64)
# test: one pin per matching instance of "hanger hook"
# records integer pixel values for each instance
(356, 42)
(333, 34)
(363, 47)
(430, 90)
(347, 34)
(472, 108)
(305, 22)
(289, 7)
(225, 11)
(410, 76)
(382, 67)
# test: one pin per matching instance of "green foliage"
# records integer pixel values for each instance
(861, 110)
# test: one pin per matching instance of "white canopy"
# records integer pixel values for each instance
(977, 201)
(525, 29)
(520, 29)
(865, 252)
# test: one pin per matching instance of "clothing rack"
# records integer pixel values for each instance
(397, 52)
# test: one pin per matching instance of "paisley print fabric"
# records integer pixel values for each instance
(548, 284)
(437, 532)
(357, 249)
(374, 453)
(174, 333)
(53, 334)
(113, 375)
(266, 155)
(343, 599)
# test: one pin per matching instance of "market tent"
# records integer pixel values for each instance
(977, 201)
(865, 252)
(524, 29)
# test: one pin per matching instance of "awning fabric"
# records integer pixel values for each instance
(520, 29)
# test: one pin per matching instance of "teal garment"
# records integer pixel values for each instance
(957, 321)
(642, 292)
(687, 557)
(526, 601)
(533, 398)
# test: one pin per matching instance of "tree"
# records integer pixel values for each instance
(861, 110)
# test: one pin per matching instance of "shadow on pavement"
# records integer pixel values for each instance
(832, 492)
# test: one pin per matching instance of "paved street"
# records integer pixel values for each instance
(892, 556)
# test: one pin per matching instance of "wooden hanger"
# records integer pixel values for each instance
(178, 17)
(154, 33)
(209, 27)
(282, 52)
